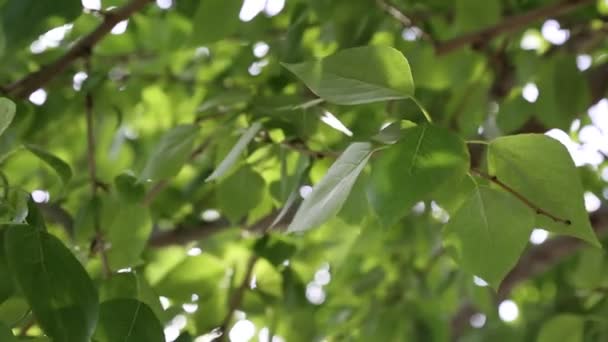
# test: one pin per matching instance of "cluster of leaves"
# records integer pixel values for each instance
(180, 169)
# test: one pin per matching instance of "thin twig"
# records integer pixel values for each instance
(25, 86)
(237, 297)
(521, 197)
(98, 244)
(509, 24)
(27, 326)
(402, 18)
(304, 150)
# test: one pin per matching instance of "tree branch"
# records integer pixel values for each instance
(237, 298)
(509, 24)
(181, 235)
(25, 86)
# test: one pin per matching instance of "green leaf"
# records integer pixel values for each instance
(130, 285)
(126, 227)
(127, 320)
(34, 216)
(57, 287)
(293, 166)
(557, 105)
(235, 152)
(563, 328)
(473, 15)
(490, 231)
(274, 248)
(328, 196)
(61, 168)
(129, 188)
(240, 193)
(7, 287)
(215, 20)
(170, 154)
(13, 309)
(25, 20)
(540, 169)
(358, 75)
(7, 113)
(6, 335)
(200, 274)
(425, 159)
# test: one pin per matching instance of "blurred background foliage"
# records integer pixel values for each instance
(192, 250)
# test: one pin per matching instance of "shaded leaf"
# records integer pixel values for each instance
(6, 335)
(7, 113)
(6, 285)
(130, 285)
(127, 320)
(358, 75)
(170, 154)
(129, 188)
(235, 152)
(274, 248)
(425, 159)
(328, 196)
(565, 327)
(57, 287)
(215, 20)
(240, 193)
(126, 227)
(489, 232)
(62, 168)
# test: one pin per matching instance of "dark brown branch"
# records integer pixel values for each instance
(509, 24)
(237, 298)
(537, 209)
(181, 235)
(25, 86)
(301, 148)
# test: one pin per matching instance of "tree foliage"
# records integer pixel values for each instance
(310, 170)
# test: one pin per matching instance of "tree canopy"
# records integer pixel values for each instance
(303, 170)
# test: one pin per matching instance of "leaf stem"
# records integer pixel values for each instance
(537, 209)
(426, 114)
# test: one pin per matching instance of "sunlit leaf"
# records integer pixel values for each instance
(328, 196)
(540, 168)
(235, 152)
(358, 75)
